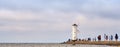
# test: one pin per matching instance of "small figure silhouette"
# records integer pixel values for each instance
(99, 38)
(116, 37)
(107, 37)
(111, 37)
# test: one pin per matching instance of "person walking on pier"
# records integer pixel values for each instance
(105, 37)
(116, 37)
(99, 38)
(111, 37)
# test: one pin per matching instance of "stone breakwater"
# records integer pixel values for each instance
(113, 43)
(48, 45)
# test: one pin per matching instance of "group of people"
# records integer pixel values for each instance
(99, 37)
(106, 37)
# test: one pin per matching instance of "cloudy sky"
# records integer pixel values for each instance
(51, 20)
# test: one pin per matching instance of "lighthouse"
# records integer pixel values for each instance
(74, 32)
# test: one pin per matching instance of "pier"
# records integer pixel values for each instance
(111, 43)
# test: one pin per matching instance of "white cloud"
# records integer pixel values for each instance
(57, 16)
(17, 15)
(55, 20)
(30, 21)
(97, 22)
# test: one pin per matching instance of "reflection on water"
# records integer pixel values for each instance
(48, 45)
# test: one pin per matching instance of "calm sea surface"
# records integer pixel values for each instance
(48, 45)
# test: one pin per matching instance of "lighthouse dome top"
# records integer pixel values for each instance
(74, 25)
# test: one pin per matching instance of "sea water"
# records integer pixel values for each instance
(48, 45)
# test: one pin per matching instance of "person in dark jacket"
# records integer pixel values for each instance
(116, 37)
(99, 38)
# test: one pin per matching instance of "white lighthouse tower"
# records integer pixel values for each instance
(74, 32)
